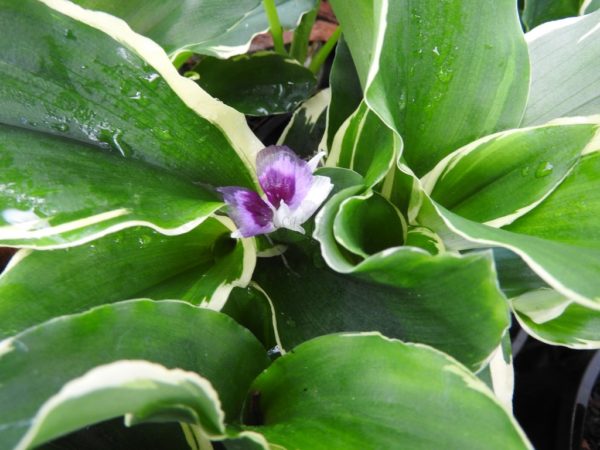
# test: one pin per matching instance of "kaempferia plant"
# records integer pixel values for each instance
(174, 271)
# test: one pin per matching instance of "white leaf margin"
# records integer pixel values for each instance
(136, 375)
(429, 180)
(230, 121)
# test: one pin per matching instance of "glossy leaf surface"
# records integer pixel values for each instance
(86, 76)
(450, 302)
(552, 318)
(171, 333)
(394, 395)
(135, 262)
(514, 275)
(346, 92)
(58, 192)
(210, 27)
(366, 145)
(501, 177)
(422, 62)
(562, 250)
(305, 131)
(365, 225)
(260, 84)
(565, 78)
(444, 301)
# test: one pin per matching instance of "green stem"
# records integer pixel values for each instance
(323, 53)
(275, 25)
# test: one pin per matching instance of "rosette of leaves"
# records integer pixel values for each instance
(129, 298)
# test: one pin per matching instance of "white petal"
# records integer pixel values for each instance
(318, 192)
(284, 218)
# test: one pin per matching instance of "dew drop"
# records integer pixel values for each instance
(162, 134)
(62, 127)
(144, 240)
(525, 171)
(402, 101)
(151, 77)
(544, 169)
(445, 75)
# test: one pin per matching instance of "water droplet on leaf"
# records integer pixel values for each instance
(62, 127)
(445, 75)
(544, 169)
(162, 134)
(151, 77)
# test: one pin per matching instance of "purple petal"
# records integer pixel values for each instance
(283, 176)
(250, 213)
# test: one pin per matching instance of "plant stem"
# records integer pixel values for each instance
(323, 53)
(275, 26)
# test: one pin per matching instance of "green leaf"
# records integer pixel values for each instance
(537, 12)
(450, 302)
(424, 238)
(564, 69)
(503, 176)
(250, 308)
(87, 76)
(577, 199)
(260, 84)
(366, 145)
(59, 193)
(210, 27)
(346, 93)
(40, 285)
(301, 40)
(171, 333)
(558, 239)
(394, 395)
(557, 235)
(367, 224)
(552, 318)
(514, 275)
(305, 130)
(145, 391)
(589, 6)
(422, 62)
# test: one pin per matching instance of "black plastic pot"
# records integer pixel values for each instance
(548, 380)
(585, 423)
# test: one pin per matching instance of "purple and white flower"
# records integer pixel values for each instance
(291, 193)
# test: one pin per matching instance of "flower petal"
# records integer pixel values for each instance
(286, 217)
(251, 214)
(283, 176)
